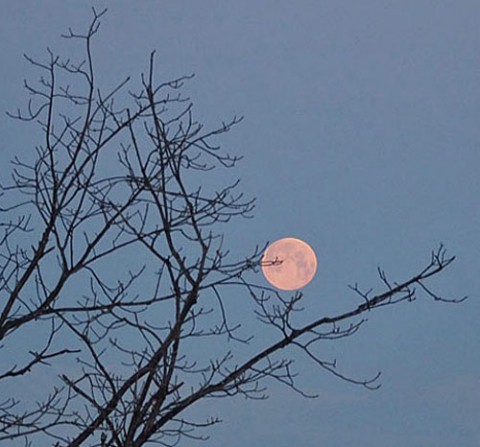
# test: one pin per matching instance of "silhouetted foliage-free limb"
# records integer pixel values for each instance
(113, 266)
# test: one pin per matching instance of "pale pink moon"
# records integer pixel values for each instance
(289, 264)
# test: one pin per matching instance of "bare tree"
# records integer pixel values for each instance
(119, 350)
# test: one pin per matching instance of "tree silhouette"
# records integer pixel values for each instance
(118, 350)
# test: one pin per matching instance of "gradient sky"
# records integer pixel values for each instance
(362, 137)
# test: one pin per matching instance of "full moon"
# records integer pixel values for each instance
(289, 264)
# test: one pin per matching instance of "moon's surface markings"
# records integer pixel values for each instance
(289, 264)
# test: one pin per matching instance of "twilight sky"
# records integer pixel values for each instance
(361, 136)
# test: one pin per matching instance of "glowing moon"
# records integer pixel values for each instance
(289, 264)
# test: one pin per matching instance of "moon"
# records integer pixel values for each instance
(289, 264)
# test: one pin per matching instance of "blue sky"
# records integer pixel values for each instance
(361, 137)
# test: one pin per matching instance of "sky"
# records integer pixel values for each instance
(360, 137)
